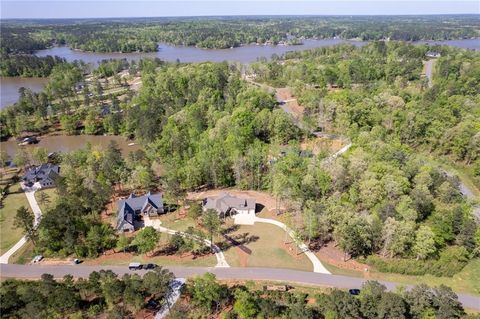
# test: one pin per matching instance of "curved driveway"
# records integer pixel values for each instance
(273, 274)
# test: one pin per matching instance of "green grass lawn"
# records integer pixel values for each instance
(24, 255)
(207, 261)
(267, 249)
(48, 201)
(9, 235)
(466, 281)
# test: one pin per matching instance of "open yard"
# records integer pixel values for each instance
(9, 235)
(262, 245)
(47, 200)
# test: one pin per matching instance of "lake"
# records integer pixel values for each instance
(67, 143)
(244, 54)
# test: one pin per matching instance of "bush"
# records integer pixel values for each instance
(451, 261)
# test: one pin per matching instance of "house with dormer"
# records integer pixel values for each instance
(132, 209)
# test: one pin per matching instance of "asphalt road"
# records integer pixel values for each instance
(273, 274)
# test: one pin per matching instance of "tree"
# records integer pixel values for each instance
(146, 239)
(355, 236)
(392, 306)
(424, 242)
(195, 211)
(207, 293)
(370, 295)
(123, 242)
(446, 301)
(40, 155)
(245, 304)
(69, 123)
(25, 219)
(91, 122)
(99, 238)
(43, 198)
(212, 222)
(157, 282)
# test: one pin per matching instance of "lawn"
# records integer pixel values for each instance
(48, 200)
(173, 260)
(9, 235)
(466, 281)
(264, 247)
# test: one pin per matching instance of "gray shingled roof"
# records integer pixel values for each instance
(38, 173)
(128, 206)
(225, 201)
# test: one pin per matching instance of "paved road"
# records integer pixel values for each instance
(284, 275)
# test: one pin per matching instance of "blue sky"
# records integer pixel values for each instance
(160, 8)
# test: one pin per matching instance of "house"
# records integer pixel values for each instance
(42, 176)
(432, 54)
(131, 208)
(242, 209)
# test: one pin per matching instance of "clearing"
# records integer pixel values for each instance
(15, 199)
(47, 200)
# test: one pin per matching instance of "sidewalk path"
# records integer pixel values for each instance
(317, 265)
(30, 193)
(176, 287)
(221, 261)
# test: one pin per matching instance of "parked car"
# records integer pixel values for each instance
(135, 266)
(354, 292)
(37, 259)
(150, 266)
(76, 261)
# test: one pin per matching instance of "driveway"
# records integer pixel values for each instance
(30, 193)
(271, 274)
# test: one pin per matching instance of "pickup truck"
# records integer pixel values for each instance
(135, 266)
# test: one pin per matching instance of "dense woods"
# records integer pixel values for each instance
(143, 35)
(384, 202)
(104, 294)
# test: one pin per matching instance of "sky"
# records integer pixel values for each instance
(159, 8)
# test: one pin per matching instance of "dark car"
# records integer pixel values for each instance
(135, 266)
(354, 292)
(150, 266)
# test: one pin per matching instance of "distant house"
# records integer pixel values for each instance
(432, 54)
(226, 204)
(131, 208)
(42, 176)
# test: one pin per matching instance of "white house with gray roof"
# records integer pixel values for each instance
(133, 207)
(241, 209)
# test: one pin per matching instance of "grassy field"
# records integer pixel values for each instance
(50, 198)
(466, 281)
(24, 255)
(264, 248)
(125, 259)
(9, 235)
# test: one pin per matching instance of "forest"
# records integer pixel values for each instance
(143, 35)
(109, 296)
(385, 202)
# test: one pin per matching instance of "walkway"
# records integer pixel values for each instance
(30, 193)
(317, 265)
(233, 273)
(176, 287)
(155, 223)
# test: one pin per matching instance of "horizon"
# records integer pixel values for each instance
(123, 9)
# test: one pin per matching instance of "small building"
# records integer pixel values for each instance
(432, 54)
(133, 207)
(242, 209)
(42, 176)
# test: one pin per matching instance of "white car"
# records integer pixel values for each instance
(37, 259)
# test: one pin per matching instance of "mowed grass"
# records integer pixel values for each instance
(9, 235)
(466, 281)
(265, 244)
(174, 260)
(46, 202)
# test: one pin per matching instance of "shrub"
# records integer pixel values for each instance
(451, 261)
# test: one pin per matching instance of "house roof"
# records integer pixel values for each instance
(128, 206)
(41, 172)
(225, 201)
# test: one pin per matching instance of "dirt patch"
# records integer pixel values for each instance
(334, 256)
(286, 95)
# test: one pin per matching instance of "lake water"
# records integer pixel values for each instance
(10, 85)
(66, 143)
(244, 54)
